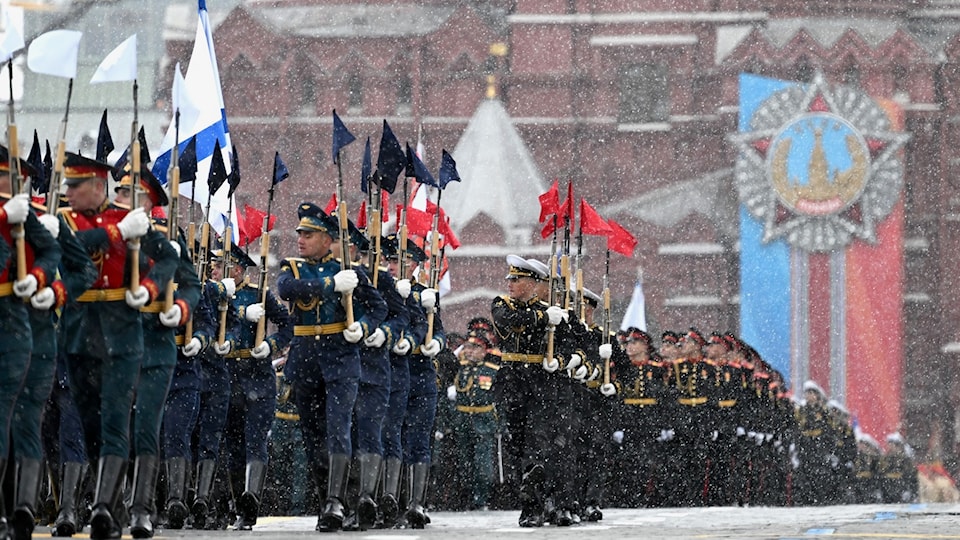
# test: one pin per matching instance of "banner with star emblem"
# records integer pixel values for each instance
(820, 175)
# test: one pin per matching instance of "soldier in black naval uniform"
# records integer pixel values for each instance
(324, 360)
(27, 357)
(160, 321)
(522, 321)
(104, 335)
(253, 388)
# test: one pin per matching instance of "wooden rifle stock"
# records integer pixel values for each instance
(347, 297)
(133, 245)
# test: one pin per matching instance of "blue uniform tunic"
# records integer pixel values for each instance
(422, 399)
(374, 391)
(253, 382)
(322, 366)
(414, 333)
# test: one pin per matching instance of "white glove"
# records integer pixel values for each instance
(551, 365)
(740, 431)
(593, 376)
(428, 299)
(345, 281)
(608, 389)
(452, 393)
(222, 349)
(253, 312)
(555, 314)
(171, 317)
(134, 225)
(43, 299)
(176, 247)
(617, 436)
(17, 208)
(402, 347)
(606, 351)
(438, 435)
(24, 288)
(430, 349)
(580, 373)
(403, 287)
(137, 299)
(714, 435)
(52, 223)
(191, 349)
(354, 332)
(376, 339)
(574, 361)
(230, 286)
(261, 351)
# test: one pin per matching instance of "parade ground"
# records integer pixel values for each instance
(916, 521)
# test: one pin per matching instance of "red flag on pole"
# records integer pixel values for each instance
(362, 216)
(568, 211)
(550, 201)
(331, 204)
(620, 241)
(591, 222)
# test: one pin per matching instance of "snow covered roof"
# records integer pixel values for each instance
(354, 20)
(499, 177)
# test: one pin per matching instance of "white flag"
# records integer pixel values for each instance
(636, 314)
(12, 40)
(55, 53)
(119, 65)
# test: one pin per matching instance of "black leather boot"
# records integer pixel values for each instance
(331, 519)
(416, 515)
(201, 505)
(144, 492)
(369, 476)
(248, 504)
(28, 473)
(177, 510)
(110, 472)
(389, 505)
(71, 483)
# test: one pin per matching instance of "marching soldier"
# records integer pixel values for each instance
(373, 393)
(411, 337)
(526, 389)
(214, 396)
(104, 336)
(324, 360)
(253, 390)
(160, 322)
(27, 357)
(421, 407)
(182, 407)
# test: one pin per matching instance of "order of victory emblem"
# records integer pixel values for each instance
(819, 166)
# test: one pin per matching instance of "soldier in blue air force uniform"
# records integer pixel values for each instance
(253, 388)
(324, 360)
(373, 394)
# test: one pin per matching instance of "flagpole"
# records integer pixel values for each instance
(53, 187)
(232, 182)
(374, 229)
(133, 245)
(606, 316)
(346, 297)
(172, 221)
(552, 287)
(434, 265)
(578, 307)
(16, 180)
(402, 236)
(264, 254)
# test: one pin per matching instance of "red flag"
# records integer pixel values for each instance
(418, 221)
(550, 201)
(362, 216)
(566, 213)
(591, 222)
(251, 224)
(553, 222)
(385, 206)
(620, 240)
(448, 235)
(331, 204)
